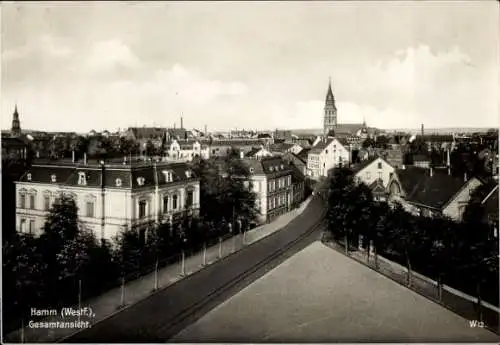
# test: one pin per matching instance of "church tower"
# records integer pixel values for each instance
(16, 124)
(330, 111)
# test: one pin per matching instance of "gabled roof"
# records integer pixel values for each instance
(267, 166)
(320, 146)
(421, 188)
(358, 167)
(253, 151)
(293, 157)
(281, 147)
(377, 186)
(303, 154)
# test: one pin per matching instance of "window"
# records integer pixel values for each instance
(82, 181)
(46, 202)
(23, 225)
(174, 201)
(380, 174)
(22, 200)
(380, 165)
(53, 178)
(326, 151)
(165, 204)
(118, 182)
(32, 201)
(142, 208)
(89, 209)
(31, 227)
(189, 199)
(140, 181)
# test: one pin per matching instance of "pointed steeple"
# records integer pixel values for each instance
(16, 124)
(329, 93)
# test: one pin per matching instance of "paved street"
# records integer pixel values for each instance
(165, 313)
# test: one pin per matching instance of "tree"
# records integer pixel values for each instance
(129, 251)
(23, 272)
(402, 228)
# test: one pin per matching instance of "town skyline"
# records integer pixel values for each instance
(79, 67)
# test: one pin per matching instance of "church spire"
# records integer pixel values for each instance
(16, 124)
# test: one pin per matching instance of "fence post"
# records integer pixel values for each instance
(220, 247)
(122, 299)
(183, 265)
(22, 330)
(204, 254)
(156, 276)
(79, 297)
(244, 237)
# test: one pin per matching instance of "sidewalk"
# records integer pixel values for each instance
(108, 304)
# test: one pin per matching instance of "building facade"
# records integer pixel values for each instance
(271, 180)
(109, 196)
(374, 169)
(326, 155)
(187, 149)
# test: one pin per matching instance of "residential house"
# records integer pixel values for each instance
(109, 195)
(298, 185)
(491, 203)
(421, 160)
(222, 147)
(282, 148)
(271, 178)
(187, 149)
(258, 152)
(299, 162)
(326, 155)
(373, 170)
(14, 148)
(428, 192)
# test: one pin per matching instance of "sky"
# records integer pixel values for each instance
(254, 65)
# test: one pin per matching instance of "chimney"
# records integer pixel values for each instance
(205, 130)
(73, 156)
(182, 123)
(85, 158)
(422, 129)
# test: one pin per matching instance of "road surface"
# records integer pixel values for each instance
(167, 312)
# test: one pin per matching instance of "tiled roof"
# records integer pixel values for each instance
(303, 154)
(268, 166)
(297, 175)
(281, 147)
(293, 157)
(236, 142)
(491, 202)
(147, 132)
(12, 142)
(423, 189)
(360, 166)
(69, 174)
(320, 146)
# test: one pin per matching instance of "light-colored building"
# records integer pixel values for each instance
(428, 192)
(372, 170)
(187, 149)
(222, 147)
(271, 180)
(326, 155)
(258, 152)
(109, 196)
(283, 148)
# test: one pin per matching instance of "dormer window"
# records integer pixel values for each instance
(53, 178)
(252, 170)
(28, 176)
(271, 169)
(118, 182)
(82, 180)
(188, 173)
(168, 175)
(282, 167)
(140, 181)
